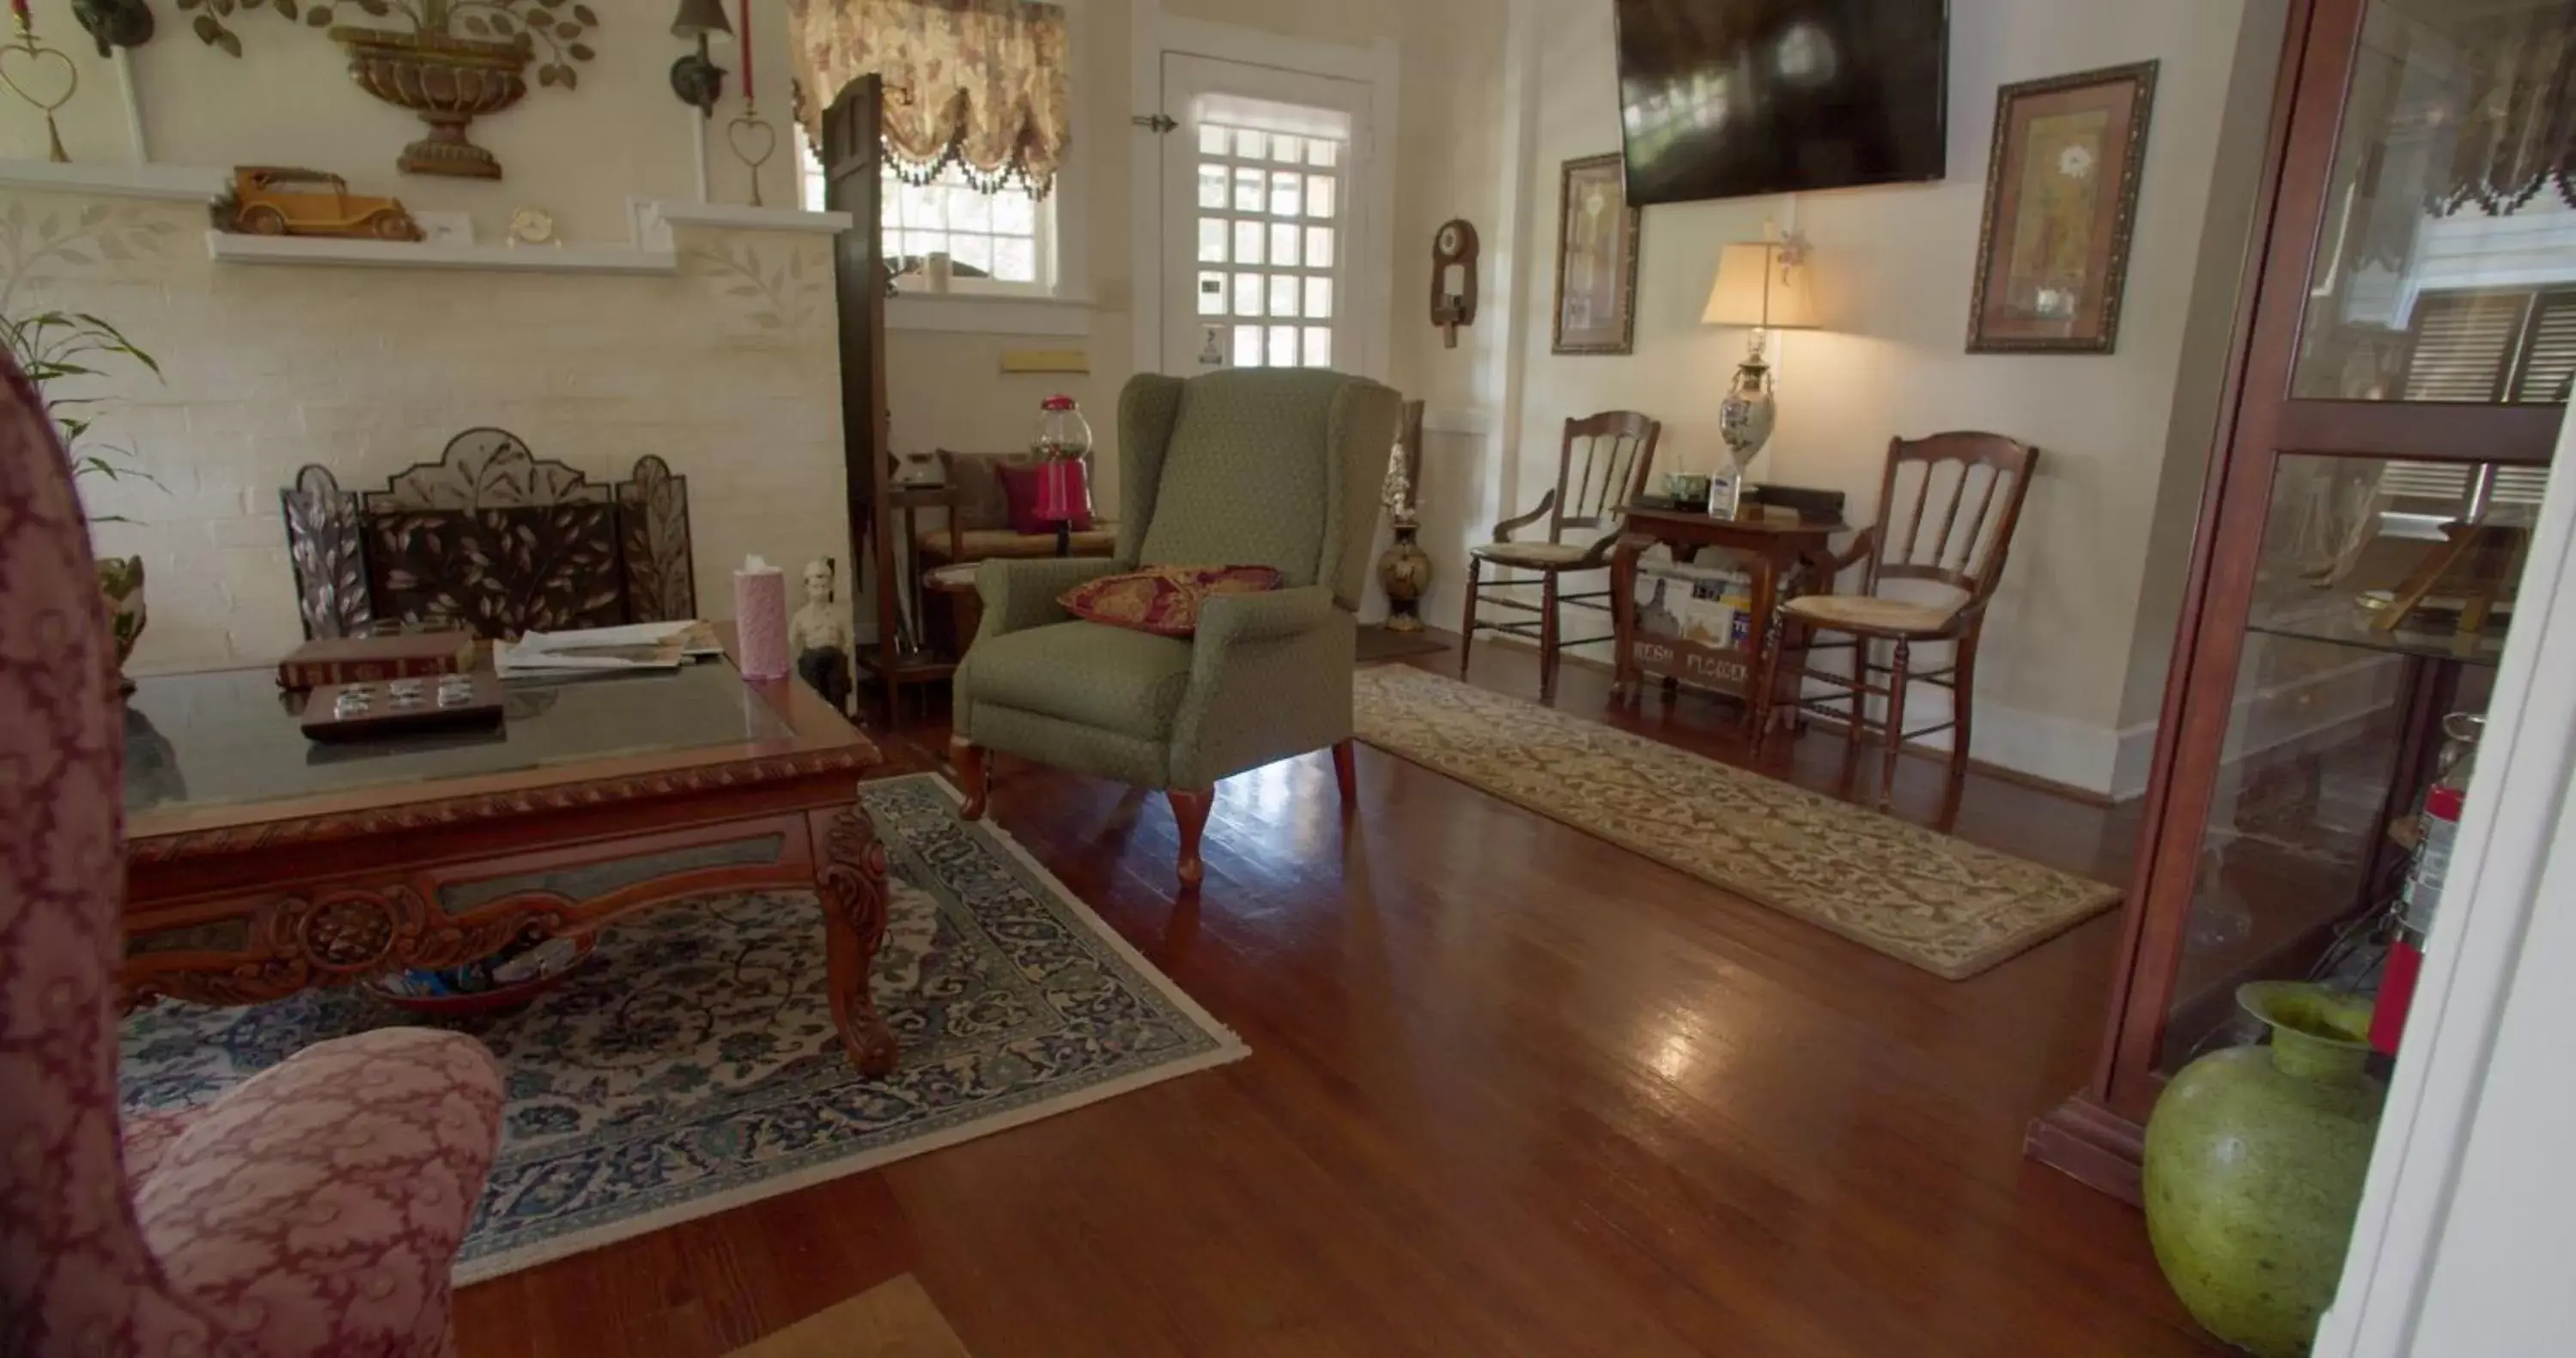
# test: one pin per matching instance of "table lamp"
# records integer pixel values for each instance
(1764, 285)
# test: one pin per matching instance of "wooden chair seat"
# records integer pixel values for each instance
(1541, 556)
(1867, 615)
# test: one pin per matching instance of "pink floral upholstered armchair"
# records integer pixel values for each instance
(312, 1211)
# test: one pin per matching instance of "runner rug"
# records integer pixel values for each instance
(1921, 897)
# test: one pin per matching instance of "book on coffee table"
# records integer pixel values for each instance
(597, 650)
(372, 660)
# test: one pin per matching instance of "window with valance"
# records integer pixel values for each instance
(976, 90)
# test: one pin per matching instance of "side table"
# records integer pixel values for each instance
(899, 655)
(956, 582)
(1775, 553)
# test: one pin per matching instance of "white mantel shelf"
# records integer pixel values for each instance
(235, 248)
(166, 183)
(736, 218)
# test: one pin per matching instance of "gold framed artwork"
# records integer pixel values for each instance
(1596, 259)
(2061, 204)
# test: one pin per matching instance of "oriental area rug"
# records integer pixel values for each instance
(691, 1065)
(1924, 898)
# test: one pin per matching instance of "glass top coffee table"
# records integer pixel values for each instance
(260, 863)
(230, 737)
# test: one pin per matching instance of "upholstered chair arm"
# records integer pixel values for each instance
(1270, 677)
(1227, 620)
(1020, 593)
(323, 1199)
(1503, 531)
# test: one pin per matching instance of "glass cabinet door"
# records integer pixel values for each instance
(2374, 626)
(2446, 266)
(2412, 349)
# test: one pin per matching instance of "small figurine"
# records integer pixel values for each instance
(821, 638)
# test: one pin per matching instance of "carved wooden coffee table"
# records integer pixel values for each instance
(259, 863)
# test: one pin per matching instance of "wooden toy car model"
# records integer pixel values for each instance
(278, 200)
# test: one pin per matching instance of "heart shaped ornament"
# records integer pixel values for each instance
(747, 133)
(31, 71)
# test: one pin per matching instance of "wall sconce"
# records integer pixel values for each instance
(698, 81)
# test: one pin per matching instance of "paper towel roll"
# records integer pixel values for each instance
(760, 620)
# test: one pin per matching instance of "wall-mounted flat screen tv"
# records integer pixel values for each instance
(1725, 98)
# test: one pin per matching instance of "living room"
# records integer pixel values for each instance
(1761, 749)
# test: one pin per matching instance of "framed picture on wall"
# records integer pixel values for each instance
(2061, 202)
(1596, 259)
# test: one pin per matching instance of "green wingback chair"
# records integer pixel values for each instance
(1254, 468)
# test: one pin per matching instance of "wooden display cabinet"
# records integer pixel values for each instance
(882, 570)
(2403, 352)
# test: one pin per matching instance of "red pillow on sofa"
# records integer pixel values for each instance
(1163, 600)
(1020, 494)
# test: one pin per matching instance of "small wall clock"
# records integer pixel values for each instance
(533, 226)
(1453, 279)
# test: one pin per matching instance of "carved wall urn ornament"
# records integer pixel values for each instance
(447, 81)
(459, 59)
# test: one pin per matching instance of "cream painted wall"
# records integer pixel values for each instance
(1895, 266)
(368, 371)
(288, 100)
(2226, 250)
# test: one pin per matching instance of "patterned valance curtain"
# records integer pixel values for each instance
(977, 83)
(2516, 120)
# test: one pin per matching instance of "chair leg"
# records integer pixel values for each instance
(1856, 725)
(1547, 646)
(1766, 681)
(1190, 808)
(1963, 688)
(1346, 771)
(969, 759)
(1895, 723)
(1467, 625)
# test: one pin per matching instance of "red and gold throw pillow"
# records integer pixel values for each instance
(1163, 600)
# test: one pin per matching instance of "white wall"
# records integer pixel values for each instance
(288, 100)
(730, 377)
(1895, 267)
(368, 371)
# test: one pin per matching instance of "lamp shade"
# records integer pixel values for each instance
(701, 19)
(1758, 285)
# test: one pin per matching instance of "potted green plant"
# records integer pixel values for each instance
(50, 347)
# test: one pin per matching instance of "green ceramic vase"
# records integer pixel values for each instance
(2254, 1163)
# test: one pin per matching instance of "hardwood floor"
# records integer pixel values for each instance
(1512, 1091)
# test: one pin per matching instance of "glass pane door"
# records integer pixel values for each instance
(2445, 270)
(2388, 492)
(2378, 616)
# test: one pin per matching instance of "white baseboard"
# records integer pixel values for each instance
(2057, 750)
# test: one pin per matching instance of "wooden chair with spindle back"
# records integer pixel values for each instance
(1950, 566)
(1592, 493)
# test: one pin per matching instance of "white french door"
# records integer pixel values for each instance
(1261, 218)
